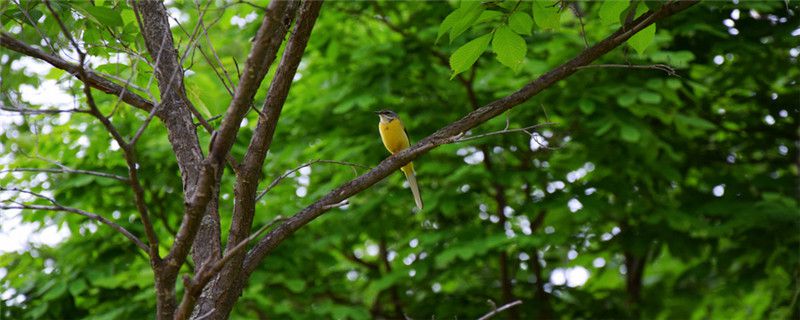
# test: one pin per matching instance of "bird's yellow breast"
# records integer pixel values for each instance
(393, 135)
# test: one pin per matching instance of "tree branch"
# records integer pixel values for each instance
(307, 164)
(58, 207)
(195, 286)
(473, 119)
(526, 130)
(42, 111)
(246, 185)
(92, 77)
(129, 154)
(265, 47)
(269, 37)
(501, 309)
(67, 170)
(660, 67)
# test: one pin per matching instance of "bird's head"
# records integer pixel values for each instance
(386, 115)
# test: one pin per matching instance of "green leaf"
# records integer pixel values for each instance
(650, 97)
(642, 39)
(546, 14)
(521, 23)
(467, 14)
(76, 287)
(295, 285)
(54, 74)
(611, 10)
(693, 121)
(466, 55)
(509, 47)
(194, 93)
(587, 106)
(103, 15)
(629, 134)
(626, 100)
(447, 24)
(488, 15)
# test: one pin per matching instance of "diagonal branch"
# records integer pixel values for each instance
(271, 33)
(92, 77)
(526, 130)
(58, 207)
(247, 182)
(68, 170)
(130, 156)
(442, 136)
(41, 111)
(265, 129)
(502, 308)
(307, 164)
(195, 285)
(669, 70)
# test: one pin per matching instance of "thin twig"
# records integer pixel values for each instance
(660, 67)
(500, 309)
(67, 170)
(307, 164)
(42, 111)
(58, 207)
(216, 56)
(579, 14)
(144, 125)
(128, 151)
(504, 131)
(35, 26)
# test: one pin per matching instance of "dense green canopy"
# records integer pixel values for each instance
(661, 182)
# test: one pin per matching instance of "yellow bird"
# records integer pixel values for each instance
(395, 138)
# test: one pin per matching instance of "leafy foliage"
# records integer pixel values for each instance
(676, 195)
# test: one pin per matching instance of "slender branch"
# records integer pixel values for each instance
(442, 136)
(526, 130)
(89, 215)
(500, 309)
(579, 14)
(42, 111)
(660, 67)
(246, 185)
(58, 207)
(143, 126)
(92, 77)
(67, 170)
(271, 33)
(307, 164)
(35, 26)
(129, 152)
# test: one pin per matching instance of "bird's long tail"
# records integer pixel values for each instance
(412, 182)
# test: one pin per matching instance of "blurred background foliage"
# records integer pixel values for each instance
(650, 195)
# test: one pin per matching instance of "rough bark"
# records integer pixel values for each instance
(247, 184)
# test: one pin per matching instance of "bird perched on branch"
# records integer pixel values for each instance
(395, 138)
